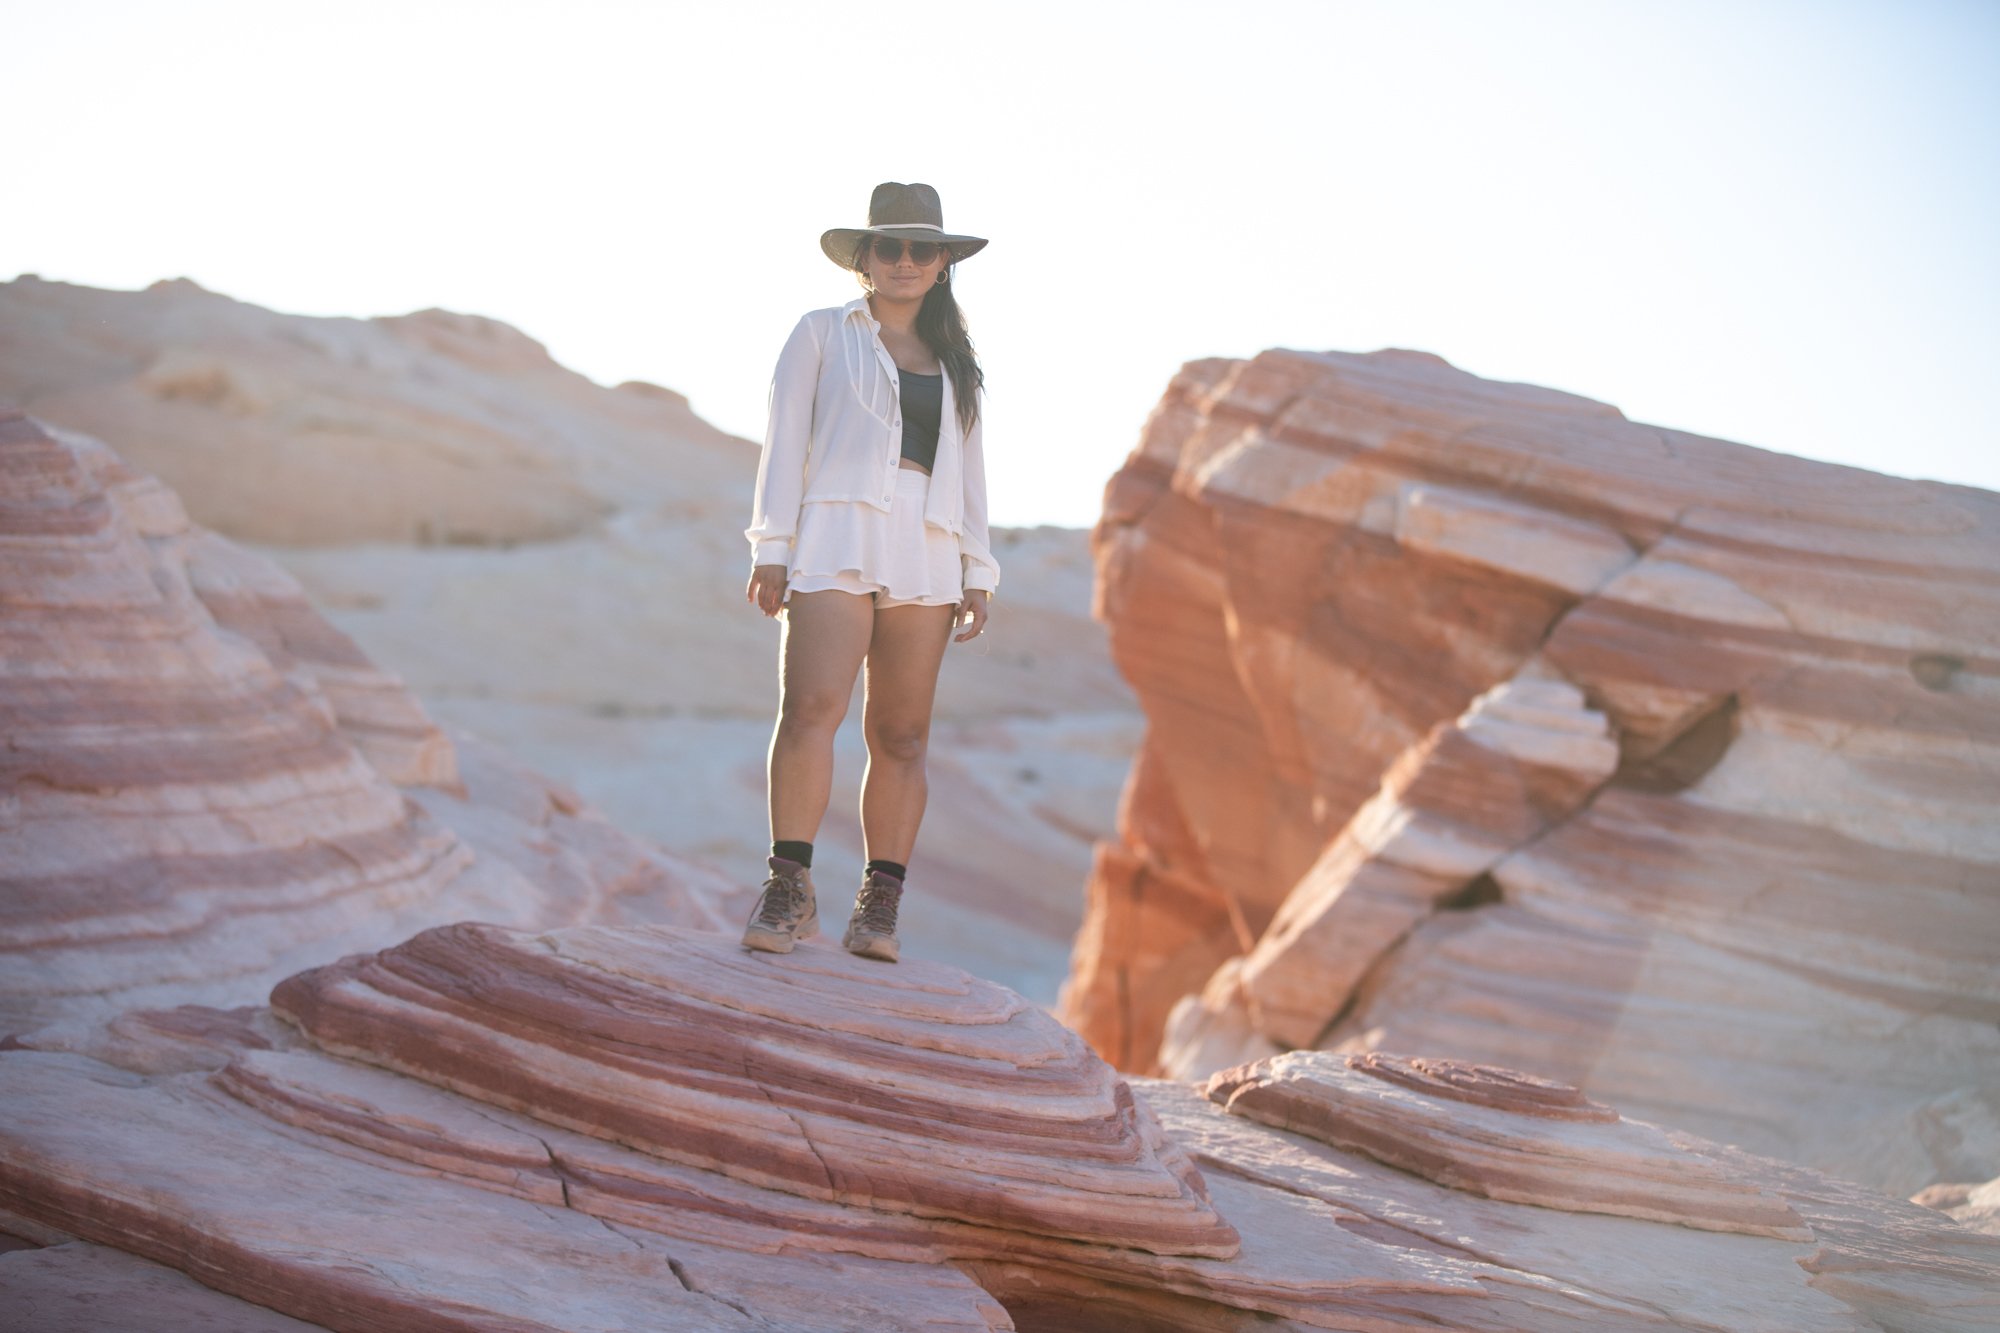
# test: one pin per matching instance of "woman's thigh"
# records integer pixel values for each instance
(905, 652)
(826, 637)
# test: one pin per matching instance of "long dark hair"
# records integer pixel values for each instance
(941, 324)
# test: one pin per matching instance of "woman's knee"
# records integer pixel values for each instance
(811, 710)
(901, 741)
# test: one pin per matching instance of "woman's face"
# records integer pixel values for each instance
(901, 278)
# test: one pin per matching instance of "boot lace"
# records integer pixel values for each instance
(876, 904)
(784, 899)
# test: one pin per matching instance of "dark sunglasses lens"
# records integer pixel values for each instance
(889, 250)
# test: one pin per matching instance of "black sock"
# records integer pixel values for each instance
(887, 868)
(802, 852)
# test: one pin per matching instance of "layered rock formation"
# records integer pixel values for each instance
(611, 1128)
(281, 428)
(559, 566)
(494, 1124)
(205, 786)
(821, 1075)
(1975, 1205)
(1485, 723)
(1493, 1132)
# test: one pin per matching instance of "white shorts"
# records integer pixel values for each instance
(896, 557)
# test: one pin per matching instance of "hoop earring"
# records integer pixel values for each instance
(944, 275)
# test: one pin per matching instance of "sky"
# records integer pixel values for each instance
(1771, 221)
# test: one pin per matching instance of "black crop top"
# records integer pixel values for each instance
(923, 410)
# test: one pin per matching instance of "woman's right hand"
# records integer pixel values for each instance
(767, 588)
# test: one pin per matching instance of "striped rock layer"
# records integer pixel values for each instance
(915, 1089)
(204, 786)
(477, 1192)
(1485, 722)
(1491, 1132)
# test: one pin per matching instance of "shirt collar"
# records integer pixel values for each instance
(859, 306)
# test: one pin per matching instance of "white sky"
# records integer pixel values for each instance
(1772, 221)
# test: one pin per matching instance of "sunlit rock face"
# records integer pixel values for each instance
(609, 1128)
(435, 428)
(204, 786)
(1486, 723)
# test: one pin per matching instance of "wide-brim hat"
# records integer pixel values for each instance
(909, 211)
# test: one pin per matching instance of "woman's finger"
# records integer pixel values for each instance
(969, 616)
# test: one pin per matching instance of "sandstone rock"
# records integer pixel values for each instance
(1489, 1131)
(188, 813)
(73, 1287)
(179, 1172)
(916, 1089)
(1767, 916)
(969, 1165)
(1873, 1262)
(1521, 759)
(283, 428)
(1976, 1206)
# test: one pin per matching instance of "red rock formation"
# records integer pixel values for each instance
(1528, 1140)
(648, 1127)
(199, 782)
(70, 1286)
(918, 1089)
(1487, 723)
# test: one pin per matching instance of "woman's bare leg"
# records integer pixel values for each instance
(904, 654)
(826, 636)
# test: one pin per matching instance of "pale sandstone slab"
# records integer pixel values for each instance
(1627, 1272)
(1974, 1206)
(282, 427)
(1706, 1038)
(1489, 1131)
(74, 1287)
(1515, 539)
(176, 1170)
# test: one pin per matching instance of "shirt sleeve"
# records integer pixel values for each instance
(977, 566)
(781, 467)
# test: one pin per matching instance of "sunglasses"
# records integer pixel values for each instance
(889, 250)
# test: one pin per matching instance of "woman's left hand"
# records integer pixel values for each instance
(972, 611)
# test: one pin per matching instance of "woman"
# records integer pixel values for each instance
(868, 530)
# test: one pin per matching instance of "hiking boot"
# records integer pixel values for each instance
(871, 929)
(786, 911)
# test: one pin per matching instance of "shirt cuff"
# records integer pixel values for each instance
(981, 578)
(773, 551)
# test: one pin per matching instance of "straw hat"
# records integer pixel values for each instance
(911, 212)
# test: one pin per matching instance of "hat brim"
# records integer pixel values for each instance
(839, 243)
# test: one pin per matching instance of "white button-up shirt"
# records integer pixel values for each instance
(836, 433)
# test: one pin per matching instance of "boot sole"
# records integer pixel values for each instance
(872, 946)
(778, 941)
